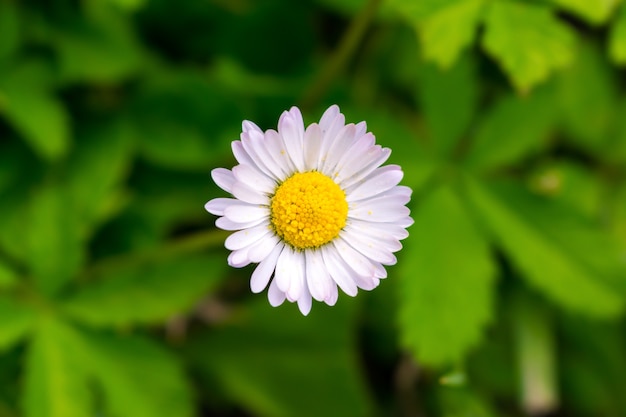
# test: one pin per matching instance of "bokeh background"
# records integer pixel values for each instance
(507, 116)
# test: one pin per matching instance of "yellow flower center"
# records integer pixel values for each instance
(308, 210)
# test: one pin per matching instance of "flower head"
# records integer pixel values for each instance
(314, 208)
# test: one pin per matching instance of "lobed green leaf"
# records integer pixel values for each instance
(548, 263)
(16, 322)
(137, 377)
(528, 41)
(55, 251)
(433, 20)
(511, 129)
(285, 369)
(55, 378)
(147, 293)
(447, 281)
(449, 101)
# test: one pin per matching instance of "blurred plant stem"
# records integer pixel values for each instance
(177, 247)
(341, 56)
(536, 357)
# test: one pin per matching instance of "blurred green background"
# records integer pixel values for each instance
(507, 116)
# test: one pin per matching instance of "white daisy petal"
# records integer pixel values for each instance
(404, 222)
(297, 282)
(263, 272)
(238, 258)
(375, 236)
(367, 283)
(312, 143)
(252, 144)
(381, 180)
(248, 126)
(227, 224)
(312, 207)
(285, 269)
(224, 178)
(218, 205)
(278, 152)
(291, 129)
(254, 179)
(338, 148)
(338, 271)
(258, 142)
(242, 213)
(358, 169)
(262, 248)
(304, 302)
(333, 296)
(356, 261)
(355, 155)
(379, 210)
(370, 248)
(275, 296)
(329, 116)
(240, 153)
(361, 128)
(243, 192)
(246, 237)
(329, 134)
(317, 277)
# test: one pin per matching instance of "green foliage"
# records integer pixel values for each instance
(28, 104)
(446, 261)
(145, 294)
(55, 379)
(137, 377)
(512, 216)
(528, 41)
(507, 117)
(55, 251)
(17, 319)
(448, 123)
(270, 371)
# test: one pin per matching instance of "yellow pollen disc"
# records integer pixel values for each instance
(308, 210)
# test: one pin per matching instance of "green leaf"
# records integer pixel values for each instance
(27, 102)
(616, 142)
(97, 165)
(548, 263)
(10, 28)
(511, 129)
(595, 12)
(8, 277)
(185, 122)
(447, 260)
(593, 367)
(146, 294)
(617, 38)
(56, 384)
(16, 321)
(433, 21)
(55, 251)
(571, 183)
(137, 377)
(564, 223)
(463, 402)
(528, 41)
(447, 119)
(277, 363)
(588, 99)
(100, 48)
(130, 5)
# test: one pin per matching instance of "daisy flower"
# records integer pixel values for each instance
(314, 208)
